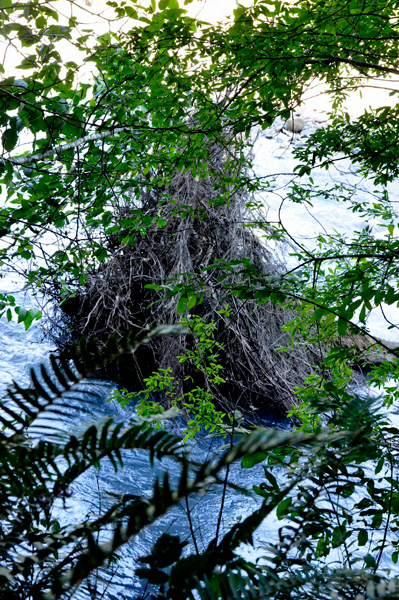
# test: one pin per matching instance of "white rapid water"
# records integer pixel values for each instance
(273, 153)
(19, 349)
(22, 349)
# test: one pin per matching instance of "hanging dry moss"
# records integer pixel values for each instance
(114, 297)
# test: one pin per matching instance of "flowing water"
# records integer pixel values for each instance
(22, 349)
(91, 493)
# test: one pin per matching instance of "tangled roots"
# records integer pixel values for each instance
(115, 296)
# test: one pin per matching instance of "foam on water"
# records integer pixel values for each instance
(303, 222)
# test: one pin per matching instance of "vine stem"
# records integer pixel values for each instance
(224, 488)
(29, 158)
(383, 543)
(222, 505)
(191, 526)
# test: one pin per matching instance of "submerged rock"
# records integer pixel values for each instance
(296, 124)
(366, 350)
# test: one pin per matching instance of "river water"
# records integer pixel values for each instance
(22, 349)
(90, 494)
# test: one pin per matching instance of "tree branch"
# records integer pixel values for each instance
(360, 64)
(29, 158)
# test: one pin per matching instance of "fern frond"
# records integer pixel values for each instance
(143, 512)
(34, 472)
(51, 383)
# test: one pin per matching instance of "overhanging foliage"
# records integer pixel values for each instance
(165, 89)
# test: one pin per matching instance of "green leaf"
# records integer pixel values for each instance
(362, 537)
(342, 327)
(41, 22)
(272, 480)
(101, 254)
(10, 135)
(166, 551)
(370, 561)
(283, 508)
(181, 305)
(303, 170)
(261, 492)
(104, 39)
(154, 286)
(154, 576)
(131, 12)
(192, 301)
(329, 319)
(22, 314)
(238, 13)
(249, 461)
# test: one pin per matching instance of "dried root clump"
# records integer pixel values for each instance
(114, 297)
